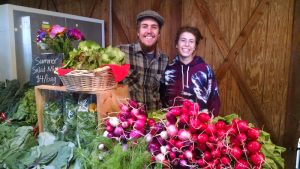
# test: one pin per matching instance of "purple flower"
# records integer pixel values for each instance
(75, 34)
(41, 35)
(57, 30)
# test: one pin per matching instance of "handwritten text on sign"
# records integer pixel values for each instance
(42, 69)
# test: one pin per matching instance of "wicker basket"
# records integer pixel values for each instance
(86, 81)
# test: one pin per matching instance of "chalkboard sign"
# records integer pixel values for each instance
(42, 69)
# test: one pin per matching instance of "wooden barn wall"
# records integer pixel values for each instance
(247, 42)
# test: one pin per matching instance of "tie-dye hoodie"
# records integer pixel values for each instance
(194, 81)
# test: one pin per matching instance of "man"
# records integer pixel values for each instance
(147, 62)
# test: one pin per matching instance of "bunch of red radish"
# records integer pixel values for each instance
(129, 124)
(189, 138)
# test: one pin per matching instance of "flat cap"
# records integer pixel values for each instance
(150, 14)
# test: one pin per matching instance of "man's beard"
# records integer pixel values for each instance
(148, 49)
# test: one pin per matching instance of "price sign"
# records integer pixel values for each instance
(42, 69)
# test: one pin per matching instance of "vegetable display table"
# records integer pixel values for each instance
(107, 100)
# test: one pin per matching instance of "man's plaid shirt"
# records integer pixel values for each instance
(144, 76)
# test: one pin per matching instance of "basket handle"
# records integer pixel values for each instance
(100, 69)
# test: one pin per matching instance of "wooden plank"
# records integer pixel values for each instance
(292, 127)
(213, 27)
(217, 35)
(241, 39)
(120, 31)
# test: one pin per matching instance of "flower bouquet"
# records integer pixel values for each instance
(58, 39)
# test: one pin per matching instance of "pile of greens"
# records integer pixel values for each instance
(90, 55)
(105, 153)
(26, 111)
(10, 94)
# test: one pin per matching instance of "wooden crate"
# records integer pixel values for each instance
(107, 100)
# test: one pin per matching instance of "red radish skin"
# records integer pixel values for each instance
(236, 152)
(210, 129)
(184, 118)
(175, 111)
(242, 125)
(202, 138)
(253, 146)
(220, 125)
(253, 133)
(257, 159)
(225, 161)
(183, 110)
(203, 117)
(187, 104)
(241, 164)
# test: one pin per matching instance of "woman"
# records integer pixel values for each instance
(189, 77)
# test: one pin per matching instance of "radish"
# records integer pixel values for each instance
(236, 152)
(253, 133)
(172, 155)
(195, 107)
(253, 146)
(105, 133)
(148, 137)
(125, 124)
(163, 150)
(184, 110)
(183, 163)
(118, 131)
(192, 113)
(184, 118)
(194, 123)
(203, 117)
(201, 162)
(109, 128)
(207, 156)
(202, 138)
(142, 117)
(179, 144)
(124, 107)
(114, 121)
(215, 153)
(135, 112)
(257, 158)
(172, 130)
(151, 122)
(188, 154)
(164, 135)
(153, 148)
(139, 124)
(241, 164)
(186, 103)
(210, 129)
(220, 125)
(242, 125)
(171, 118)
(100, 146)
(175, 111)
(135, 134)
(160, 157)
(133, 103)
(241, 138)
(225, 160)
(184, 135)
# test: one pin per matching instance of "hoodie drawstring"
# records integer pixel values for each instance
(187, 77)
